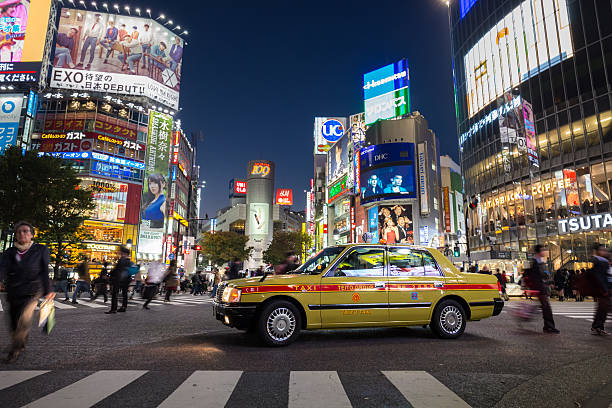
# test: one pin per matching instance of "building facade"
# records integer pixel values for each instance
(453, 216)
(533, 87)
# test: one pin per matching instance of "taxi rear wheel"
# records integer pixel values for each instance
(279, 323)
(449, 319)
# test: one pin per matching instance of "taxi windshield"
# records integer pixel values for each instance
(320, 261)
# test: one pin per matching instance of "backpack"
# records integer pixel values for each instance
(587, 284)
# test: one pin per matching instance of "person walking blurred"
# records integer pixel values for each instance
(196, 281)
(61, 283)
(100, 286)
(171, 279)
(155, 275)
(25, 268)
(602, 283)
(537, 280)
(502, 282)
(216, 281)
(137, 283)
(120, 281)
(83, 283)
(560, 281)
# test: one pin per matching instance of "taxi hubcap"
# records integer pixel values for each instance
(281, 324)
(451, 319)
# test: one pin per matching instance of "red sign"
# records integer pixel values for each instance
(175, 158)
(260, 169)
(176, 137)
(240, 187)
(284, 196)
(447, 217)
(73, 124)
(117, 130)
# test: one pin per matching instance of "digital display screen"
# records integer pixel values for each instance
(532, 37)
(465, 6)
(386, 92)
(387, 171)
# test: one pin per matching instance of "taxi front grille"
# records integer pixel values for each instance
(220, 289)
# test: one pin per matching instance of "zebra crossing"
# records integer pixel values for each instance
(85, 303)
(299, 389)
(580, 310)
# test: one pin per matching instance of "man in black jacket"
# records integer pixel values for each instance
(25, 267)
(120, 280)
(537, 280)
(61, 282)
(601, 269)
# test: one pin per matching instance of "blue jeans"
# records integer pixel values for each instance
(173, 64)
(108, 45)
(146, 49)
(90, 42)
(62, 286)
(130, 60)
(80, 285)
(64, 59)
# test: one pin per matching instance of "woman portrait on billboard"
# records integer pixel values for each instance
(155, 201)
(390, 232)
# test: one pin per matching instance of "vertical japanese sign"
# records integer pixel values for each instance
(10, 111)
(155, 185)
(530, 136)
(423, 194)
(447, 214)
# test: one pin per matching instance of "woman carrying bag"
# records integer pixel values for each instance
(171, 279)
(25, 266)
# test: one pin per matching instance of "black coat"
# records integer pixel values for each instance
(600, 272)
(119, 273)
(28, 276)
(537, 276)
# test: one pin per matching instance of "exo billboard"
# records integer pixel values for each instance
(386, 92)
(387, 171)
(532, 37)
(118, 54)
(155, 190)
(338, 160)
(23, 31)
(327, 131)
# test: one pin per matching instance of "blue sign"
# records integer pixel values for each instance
(465, 6)
(387, 171)
(332, 130)
(118, 160)
(112, 170)
(386, 92)
(10, 113)
(373, 223)
(174, 173)
(32, 104)
(67, 155)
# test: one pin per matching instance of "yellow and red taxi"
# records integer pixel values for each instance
(360, 285)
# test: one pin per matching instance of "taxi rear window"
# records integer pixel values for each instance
(411, 262)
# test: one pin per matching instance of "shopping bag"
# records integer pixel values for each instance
(46, 318)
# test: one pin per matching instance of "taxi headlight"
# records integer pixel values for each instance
(231, 295)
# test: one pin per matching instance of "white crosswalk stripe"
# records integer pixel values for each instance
(209, 388)
(584, 311)
(88, 391)
(215, 388)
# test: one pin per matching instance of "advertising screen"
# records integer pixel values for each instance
(284, 196)
(373, 225)
(387, 171)
(23, 30)
(117, 54)
(338, 160)
(465, 6)
(532, 37)
(10, 112)
(238, 188)
(155, 186)
(327, 131)
(338, 188)
(386, 92)
(395, 224)
(258, 212)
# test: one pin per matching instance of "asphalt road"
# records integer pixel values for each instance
(178, 353)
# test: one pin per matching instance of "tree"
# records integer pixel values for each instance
(224, 246)
(45, 192)
(283, 242)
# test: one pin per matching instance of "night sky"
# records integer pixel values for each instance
(255, 74)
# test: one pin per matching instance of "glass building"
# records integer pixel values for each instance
(532, 93)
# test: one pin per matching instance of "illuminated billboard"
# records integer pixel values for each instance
(386, 92)
(117, 54)
(10, 112)
(387, 171)
(338, 160)
(327, 131)
(465, 6)
(515, 49)
(395, 224)
(23, 30)
(155, 185)
(284, 196)
(237, 188)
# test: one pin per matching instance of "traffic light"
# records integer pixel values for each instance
(456, 251)
(196, 247)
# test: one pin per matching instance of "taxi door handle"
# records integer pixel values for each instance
(379, 284)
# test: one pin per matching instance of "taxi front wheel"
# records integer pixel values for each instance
(279, 323)
(448, 321)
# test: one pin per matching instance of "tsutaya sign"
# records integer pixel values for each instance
(585, 223)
